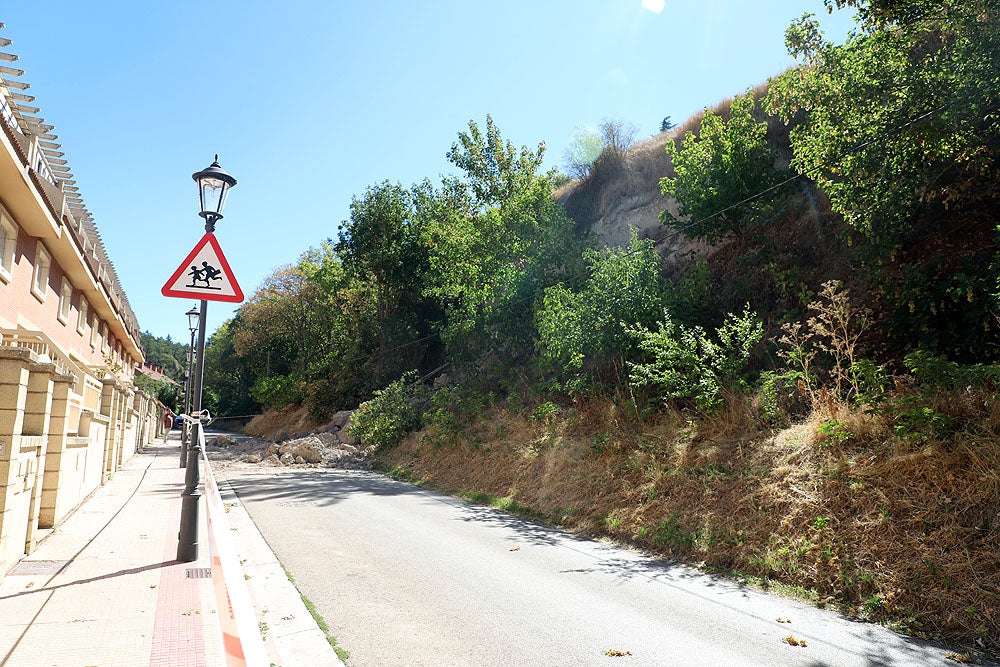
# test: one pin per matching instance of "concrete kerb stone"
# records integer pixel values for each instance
(291, 635)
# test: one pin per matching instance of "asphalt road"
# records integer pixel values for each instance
(407, 577)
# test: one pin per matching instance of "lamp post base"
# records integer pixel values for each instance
(187, 536)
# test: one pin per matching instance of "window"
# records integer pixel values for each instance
(95, 333)
(65, 300)
(8, 241)
(40, 281)
(81, 316)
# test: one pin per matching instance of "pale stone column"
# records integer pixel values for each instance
(139, 408)
(59, 428)
(109, 400)
(130, 441)
(37, 417)
(13, 394)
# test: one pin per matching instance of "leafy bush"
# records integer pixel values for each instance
(448, 409)
(932, 372)
(383, 420)
(686, 362)
(276, 391)
(622, 289)
(717, 171)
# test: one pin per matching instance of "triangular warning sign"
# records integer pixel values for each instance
(205, 275)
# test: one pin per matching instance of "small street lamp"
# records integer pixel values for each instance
(193, 316)
(213, 186)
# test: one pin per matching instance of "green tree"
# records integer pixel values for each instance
(900, 117)
(900, 127)
(382, 246)
(496, 237)
(166, 354)
(718, 173)
(165, 392)
(229, 377)
(589, 327)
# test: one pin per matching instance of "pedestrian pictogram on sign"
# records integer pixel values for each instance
(204, 274)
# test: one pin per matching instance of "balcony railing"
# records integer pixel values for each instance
(44, 348)
(7, 114)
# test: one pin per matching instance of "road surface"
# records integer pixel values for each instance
(408, 577)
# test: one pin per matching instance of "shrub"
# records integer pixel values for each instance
(588, 327)
(687, 362)
(383, 420)
(277, 391)
(932, 371)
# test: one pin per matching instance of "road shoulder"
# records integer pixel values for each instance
(291, 635)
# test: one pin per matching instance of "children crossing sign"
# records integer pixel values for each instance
(205, 275)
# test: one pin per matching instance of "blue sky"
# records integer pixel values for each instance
(308, 102)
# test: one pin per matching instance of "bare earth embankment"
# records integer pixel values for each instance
(900, 533)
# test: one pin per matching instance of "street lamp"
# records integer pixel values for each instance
(213, 186)
(193, 316)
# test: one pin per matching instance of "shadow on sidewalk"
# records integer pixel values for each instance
(110, 575)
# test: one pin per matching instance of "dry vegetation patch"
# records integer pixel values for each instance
(890, 530)
(290, 419)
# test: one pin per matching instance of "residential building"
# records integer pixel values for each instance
(69, 341)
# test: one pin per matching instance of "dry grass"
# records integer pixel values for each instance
(291, 419)
(892, 530)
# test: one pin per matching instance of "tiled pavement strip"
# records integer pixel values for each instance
(104, 589)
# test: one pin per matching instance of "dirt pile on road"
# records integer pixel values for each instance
(328, 446)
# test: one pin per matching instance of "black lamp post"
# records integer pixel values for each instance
(213, 185)
(193, 316)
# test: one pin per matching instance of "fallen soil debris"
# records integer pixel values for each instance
(328, 446)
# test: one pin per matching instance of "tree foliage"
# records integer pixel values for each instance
(900, 127)
(900, 117)
(589, 326)
(165, 353)
(718, 173)
(496, 237)
(382, 248)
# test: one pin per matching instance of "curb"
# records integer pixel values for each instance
(291, 635)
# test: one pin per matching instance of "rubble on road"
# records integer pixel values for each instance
(329, 446)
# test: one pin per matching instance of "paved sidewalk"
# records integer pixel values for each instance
(104, 589)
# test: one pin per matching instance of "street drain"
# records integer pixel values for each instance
(198, 573)
(36, 567)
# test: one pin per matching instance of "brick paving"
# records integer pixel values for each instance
(104, 588)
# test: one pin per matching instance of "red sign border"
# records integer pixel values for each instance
(208, 238)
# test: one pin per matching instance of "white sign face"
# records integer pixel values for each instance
(205, 275)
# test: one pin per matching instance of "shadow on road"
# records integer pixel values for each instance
(311, 487)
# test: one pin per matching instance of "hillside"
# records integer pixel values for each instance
(784, 368)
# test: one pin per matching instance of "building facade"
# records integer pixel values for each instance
(69, 341)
